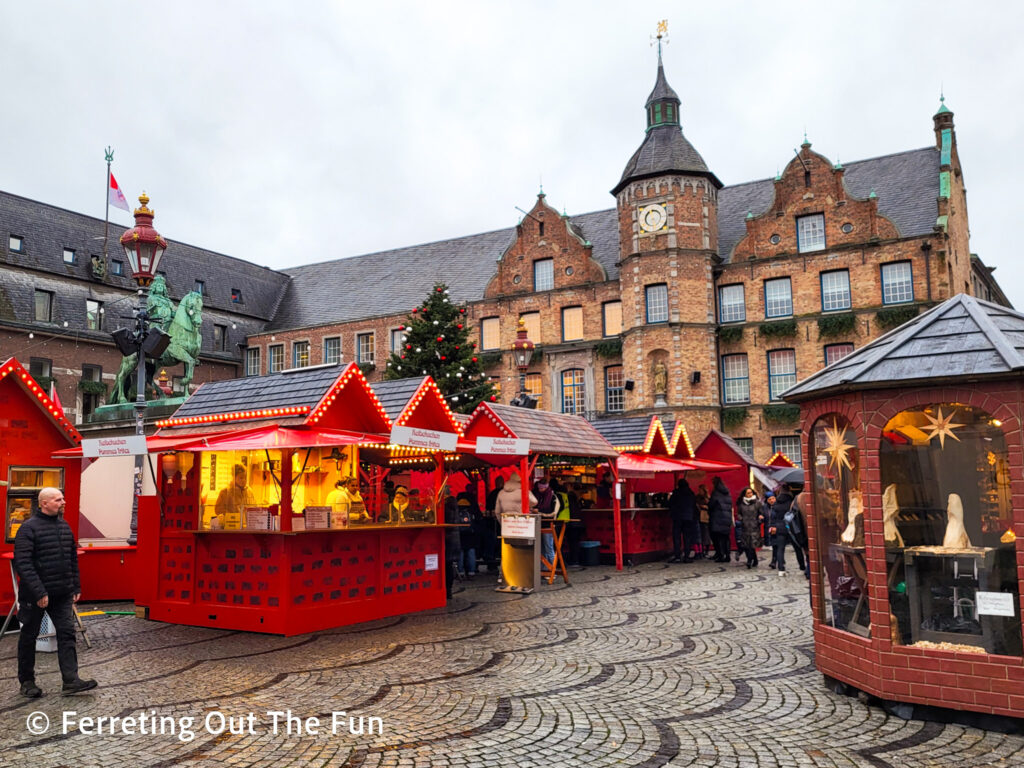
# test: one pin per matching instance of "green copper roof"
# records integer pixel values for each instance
(943, 109)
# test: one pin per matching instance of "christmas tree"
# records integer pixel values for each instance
(437, 344)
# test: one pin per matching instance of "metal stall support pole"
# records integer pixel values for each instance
(617, 513)
(285, 509)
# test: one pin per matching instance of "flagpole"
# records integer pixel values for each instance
(106, 216)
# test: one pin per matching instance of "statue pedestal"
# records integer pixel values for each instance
(122, 412)
(659, 400)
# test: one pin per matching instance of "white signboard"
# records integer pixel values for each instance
(103, 447)
(518, 527)
(995, 603)
(424, 438)
(257, 518)
(316, 517)
(430, 562)
(502, 446)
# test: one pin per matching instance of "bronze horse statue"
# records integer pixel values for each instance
(186, 340)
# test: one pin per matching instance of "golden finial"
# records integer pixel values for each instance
(663, 28)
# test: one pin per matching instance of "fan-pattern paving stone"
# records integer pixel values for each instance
(695, 665)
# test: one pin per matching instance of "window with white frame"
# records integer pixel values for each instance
(16, 243)
(746, 445)
(735, 379)
(573, 395)
(614, 389)
(611, 315)
(897, 283)
(835, 290)
(252, 361)
(364, 348)
(788, 446)
(572, 323)
(69, 255)
(300, 354)
(810, 233)
(781, 371)
(490, 333)
(275, 358)
(534, 383)
(778, 297)
(836, 352)
(731, 304)
(657, 303)
(544, 274)
(332, 350)
(531, 320)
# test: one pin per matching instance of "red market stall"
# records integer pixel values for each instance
(915, 483)
(251, 530)
(32, 428)
(649, 464)
(553, 439)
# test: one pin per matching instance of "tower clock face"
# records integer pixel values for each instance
(653, 217)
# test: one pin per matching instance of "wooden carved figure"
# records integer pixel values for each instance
(956, 537)
(890, 509)
(854, 533)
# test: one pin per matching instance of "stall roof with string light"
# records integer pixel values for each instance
(963, 336)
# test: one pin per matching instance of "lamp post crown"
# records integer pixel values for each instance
(522, 347)
(143, 245)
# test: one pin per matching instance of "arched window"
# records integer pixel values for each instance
(950, 546)
(838, 508)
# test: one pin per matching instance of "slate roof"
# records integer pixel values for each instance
(662, 90)
(393, 282)
(47, 230)
(630, 431)
(960, 337)
(395, 395)
(664, 150)
(278, 390)
(554, 433)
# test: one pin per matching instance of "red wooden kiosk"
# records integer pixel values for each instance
(32, 428)
(295, 559)
(915, 504)
(649, 462)
(553, 436)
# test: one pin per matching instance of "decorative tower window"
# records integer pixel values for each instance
(657, 303)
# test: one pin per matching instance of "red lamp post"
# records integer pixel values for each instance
(143, 245)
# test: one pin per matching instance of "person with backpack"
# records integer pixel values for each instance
(788, 527)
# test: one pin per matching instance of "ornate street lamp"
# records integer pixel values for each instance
(522, 353)
(143, 247)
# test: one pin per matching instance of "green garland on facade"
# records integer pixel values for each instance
(782, 413)
(733, 417)
(778, 329)
(488, 359)
(730, 334)
(831, 326)
(892, 317)
(608, 348)
(92, 387)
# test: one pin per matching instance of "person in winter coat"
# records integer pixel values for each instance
(453, 515)
(787, 526)
(720, 520)
(547, 506)
(702, 514)
(46, 561)
(682, 510)
(769, 538)
(750, 515)
(510, 499)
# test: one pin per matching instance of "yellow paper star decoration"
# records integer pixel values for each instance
(837, 446)
(942, 427)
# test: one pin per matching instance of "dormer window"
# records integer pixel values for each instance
(69, 256)
(16, 243)
(810, 233)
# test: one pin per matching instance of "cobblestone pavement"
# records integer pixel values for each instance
(660, 665)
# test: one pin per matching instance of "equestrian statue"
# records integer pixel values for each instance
(182, 325)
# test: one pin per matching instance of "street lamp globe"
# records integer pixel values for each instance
(143, 245)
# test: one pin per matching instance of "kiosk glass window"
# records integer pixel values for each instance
(23, 486)
(838, 515)
(949, 539)
(240, 490)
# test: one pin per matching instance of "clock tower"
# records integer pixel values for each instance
(667, 202)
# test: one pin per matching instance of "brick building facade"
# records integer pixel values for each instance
(690, 299)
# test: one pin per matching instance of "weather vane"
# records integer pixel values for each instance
(662, 34)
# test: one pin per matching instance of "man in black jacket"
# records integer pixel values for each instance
(46, 559)
(682, 510)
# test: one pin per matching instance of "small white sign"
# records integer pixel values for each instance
(316, 517)
(103, 447)
(257, 518)
(995, 604)
(424, 438)
(518, 527)
(502, 446)
(430, 562)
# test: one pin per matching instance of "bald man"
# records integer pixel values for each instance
(46, 559)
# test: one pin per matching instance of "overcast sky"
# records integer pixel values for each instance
(289, 133)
